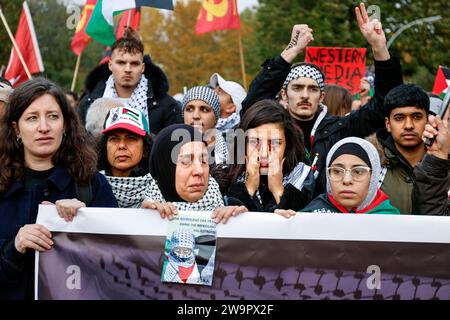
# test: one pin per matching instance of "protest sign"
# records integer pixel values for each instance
(341, 66)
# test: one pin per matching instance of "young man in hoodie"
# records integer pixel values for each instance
(400, 143)
(133, 79)
(302, 90)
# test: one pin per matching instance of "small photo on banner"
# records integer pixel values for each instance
(190, 249)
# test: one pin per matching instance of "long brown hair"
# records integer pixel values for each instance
(269, 111)
(76, 151)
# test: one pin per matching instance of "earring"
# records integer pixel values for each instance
(19, 140)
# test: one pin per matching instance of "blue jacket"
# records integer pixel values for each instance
(19, 207)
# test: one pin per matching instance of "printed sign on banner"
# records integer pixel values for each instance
(341, 66)
(190, 249)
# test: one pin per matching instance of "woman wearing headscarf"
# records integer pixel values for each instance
(201, 109)
(353, 172)
(179, 165)
(46, 157)
(124, 154)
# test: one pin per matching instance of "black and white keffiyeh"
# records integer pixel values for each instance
(220, 149)
(131, 191)
(224, 124)
(211, 200)
(205, 94)
(307, 72)
(296, 178)
(138, 99)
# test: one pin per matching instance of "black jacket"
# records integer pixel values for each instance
(430, 194)
(163, 110)
(360, 123)
(19, 206)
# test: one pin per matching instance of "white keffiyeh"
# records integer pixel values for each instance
(130, 191)
(231, 122)
(138, 99)
(296, 178)
(220, 149)
(211, 200)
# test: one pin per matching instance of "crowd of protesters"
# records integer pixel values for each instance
(290, 144)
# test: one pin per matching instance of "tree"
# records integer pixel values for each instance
(421, 48)
(187, 58)
(54, 37)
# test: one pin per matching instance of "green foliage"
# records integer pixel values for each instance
(54, 37)
(421, 48)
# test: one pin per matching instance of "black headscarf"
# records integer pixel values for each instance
(162, 168)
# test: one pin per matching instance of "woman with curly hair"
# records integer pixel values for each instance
(46, 158)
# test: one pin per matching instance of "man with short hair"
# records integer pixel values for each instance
(302, 90)
(400, 144)
(132, 78)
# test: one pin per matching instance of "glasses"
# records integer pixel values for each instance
(357, 173)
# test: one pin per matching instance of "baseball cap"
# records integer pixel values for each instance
(234, 89)
(128, 119)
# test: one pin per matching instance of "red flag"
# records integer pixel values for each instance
(217, 15)
(28, 46)
(134, 21)
(442, 81)
(80, 39)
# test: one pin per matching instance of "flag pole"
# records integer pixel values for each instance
(241, 55)
(129, 18)
(75, 74)
(16, 47)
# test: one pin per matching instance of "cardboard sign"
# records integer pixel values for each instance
(341, 66)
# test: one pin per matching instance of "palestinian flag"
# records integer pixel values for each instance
(101, 24)
(442, 81)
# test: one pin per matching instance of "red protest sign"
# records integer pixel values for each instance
(342, 66)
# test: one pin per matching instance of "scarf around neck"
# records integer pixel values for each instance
(138, 99)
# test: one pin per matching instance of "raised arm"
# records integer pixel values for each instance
(270, 79)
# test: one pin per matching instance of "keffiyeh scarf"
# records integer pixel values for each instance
(138, 99)
(130, 191)
(231, 122)
(211, 200)
(220, 149)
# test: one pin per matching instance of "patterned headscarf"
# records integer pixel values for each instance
(374, 164)
(307, 72)
(205, 94)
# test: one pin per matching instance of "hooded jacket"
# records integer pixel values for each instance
(400, 179)
(375, 201)
(163, 110)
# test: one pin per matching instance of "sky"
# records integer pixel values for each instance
(242, 4)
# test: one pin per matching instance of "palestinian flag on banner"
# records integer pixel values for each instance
(442, 81)
(101, 24)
